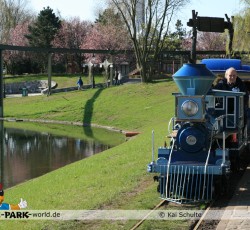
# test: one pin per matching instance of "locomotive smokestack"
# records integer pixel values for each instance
(194, 79)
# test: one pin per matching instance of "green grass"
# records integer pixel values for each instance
(126, 107)
(115, 179)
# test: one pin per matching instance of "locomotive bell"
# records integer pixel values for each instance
(194, 79)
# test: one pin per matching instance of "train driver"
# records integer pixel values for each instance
(232, 82)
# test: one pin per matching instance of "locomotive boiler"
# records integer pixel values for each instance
(208, 136)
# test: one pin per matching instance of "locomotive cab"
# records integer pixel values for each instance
(228, 104)
(230, 119)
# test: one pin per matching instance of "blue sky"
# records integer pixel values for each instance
(215, 8)
(87, 9)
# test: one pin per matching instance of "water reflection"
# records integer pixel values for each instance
(28, 154)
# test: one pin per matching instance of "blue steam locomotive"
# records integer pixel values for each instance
(208, 137)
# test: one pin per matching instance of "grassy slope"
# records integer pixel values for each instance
(115, 179)
(126, 107)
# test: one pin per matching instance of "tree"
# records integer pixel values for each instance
(107, 37)
(241, 23)
(44, 29)
(108, 33)
(211, 41)
(109, 16)
(72, 35)
(14, 60)
(148, 24)
(12, 13)
(174, 40)
(41, 34)
(246, 2)
(187, 42)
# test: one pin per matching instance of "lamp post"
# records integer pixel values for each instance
(106, 65)
(4, 87)
(91, 75)
(91, 70)
(111, 71)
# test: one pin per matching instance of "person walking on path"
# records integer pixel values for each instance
(80, 83)
(119, 77)
(116, 77)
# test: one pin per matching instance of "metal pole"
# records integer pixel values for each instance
(1, 83)
(90, 65)
(153, 146)
(93, 71)
(93, 77)
(181, 61)
(89, 69)
(49, 74)
(224, 148)
(193, 51)
(111, 71)
(1, 151)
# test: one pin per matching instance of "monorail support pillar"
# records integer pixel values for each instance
(2, 142)
(1, 116)
(1, 84)
(49, 74)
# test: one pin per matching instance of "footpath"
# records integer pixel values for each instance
(68, 89)
(237, 213)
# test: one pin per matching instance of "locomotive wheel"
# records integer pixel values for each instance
(245, 158)
(225, 185)
(158, 188)
(235, 164)
(221, 186)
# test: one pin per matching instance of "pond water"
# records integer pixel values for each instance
(28, 154)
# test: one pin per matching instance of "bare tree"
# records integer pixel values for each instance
(12, 12)
(148, 24)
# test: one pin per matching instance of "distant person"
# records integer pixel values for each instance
(116, 77)
(119, 77)
(80, 83)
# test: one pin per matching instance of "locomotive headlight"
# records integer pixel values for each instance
(189, 107)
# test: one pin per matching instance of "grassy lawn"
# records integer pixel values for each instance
(114, 179)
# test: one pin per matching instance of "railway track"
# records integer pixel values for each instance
(199, 223)
(219, 204)
(145, 217)
(194, 227)
(202, 223)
